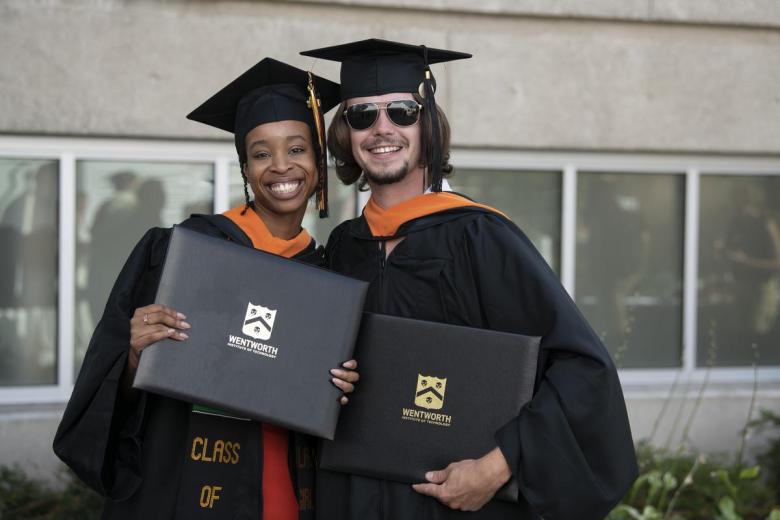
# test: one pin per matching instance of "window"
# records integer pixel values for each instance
(674, 260)
(532, 199)
(642, 249)
(29, 272)
(116, 202)
(739, 270)
(630, 262)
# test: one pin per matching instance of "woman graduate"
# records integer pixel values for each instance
(155, 457)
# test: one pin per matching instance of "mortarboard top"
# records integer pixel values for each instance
(374, 67)
(270, 91)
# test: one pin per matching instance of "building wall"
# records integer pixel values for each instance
(647, 76)
(544, 74)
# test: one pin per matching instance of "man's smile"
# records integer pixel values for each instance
(384, 149)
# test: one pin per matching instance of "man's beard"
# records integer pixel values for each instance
(387, 177)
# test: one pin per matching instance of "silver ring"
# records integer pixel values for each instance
(146, 318)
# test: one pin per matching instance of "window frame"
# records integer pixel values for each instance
(692, 167)
(68, 151)
(642, 382)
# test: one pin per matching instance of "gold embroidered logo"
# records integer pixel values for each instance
(429, 395)
(430, 392)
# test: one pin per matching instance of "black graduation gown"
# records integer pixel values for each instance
(570, 448)
(133, 454)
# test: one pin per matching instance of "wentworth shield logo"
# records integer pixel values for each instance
(430, 392)
(259, 321)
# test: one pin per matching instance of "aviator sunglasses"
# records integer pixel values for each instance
(404, 112)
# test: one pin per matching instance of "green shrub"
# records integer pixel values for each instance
(770, 459)
(24, 498)
(676, 486)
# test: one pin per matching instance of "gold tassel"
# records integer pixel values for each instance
(319, 122)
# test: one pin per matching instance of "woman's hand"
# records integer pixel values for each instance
(345, 378)
(150, 324)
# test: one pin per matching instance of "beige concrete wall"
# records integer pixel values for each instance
(714, 426)
(27, 433)
(612, 76)
(756, 13)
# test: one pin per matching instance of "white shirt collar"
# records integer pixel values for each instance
(445, 186)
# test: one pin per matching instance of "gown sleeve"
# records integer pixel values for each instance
(99, 436)
(570, 448)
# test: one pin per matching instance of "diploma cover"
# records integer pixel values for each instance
(266, 330)
(429, 394)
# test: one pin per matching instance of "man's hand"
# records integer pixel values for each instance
(468, 484)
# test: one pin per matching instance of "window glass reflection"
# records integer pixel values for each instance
(341, 204)
(629, 264)
(28, 271)
(116, 203)
(739, 270)
(531, 199)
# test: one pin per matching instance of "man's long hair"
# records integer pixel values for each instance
(349, 171)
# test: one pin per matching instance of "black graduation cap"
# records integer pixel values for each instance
(374, 67)
(272, 91)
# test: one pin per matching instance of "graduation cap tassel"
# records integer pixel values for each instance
(434, 144)
(322, 167)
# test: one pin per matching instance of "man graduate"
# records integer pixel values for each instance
(435, 255)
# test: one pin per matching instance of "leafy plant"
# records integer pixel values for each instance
(25, 498)
(770, 459)
(22, 497)
(675, 486)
